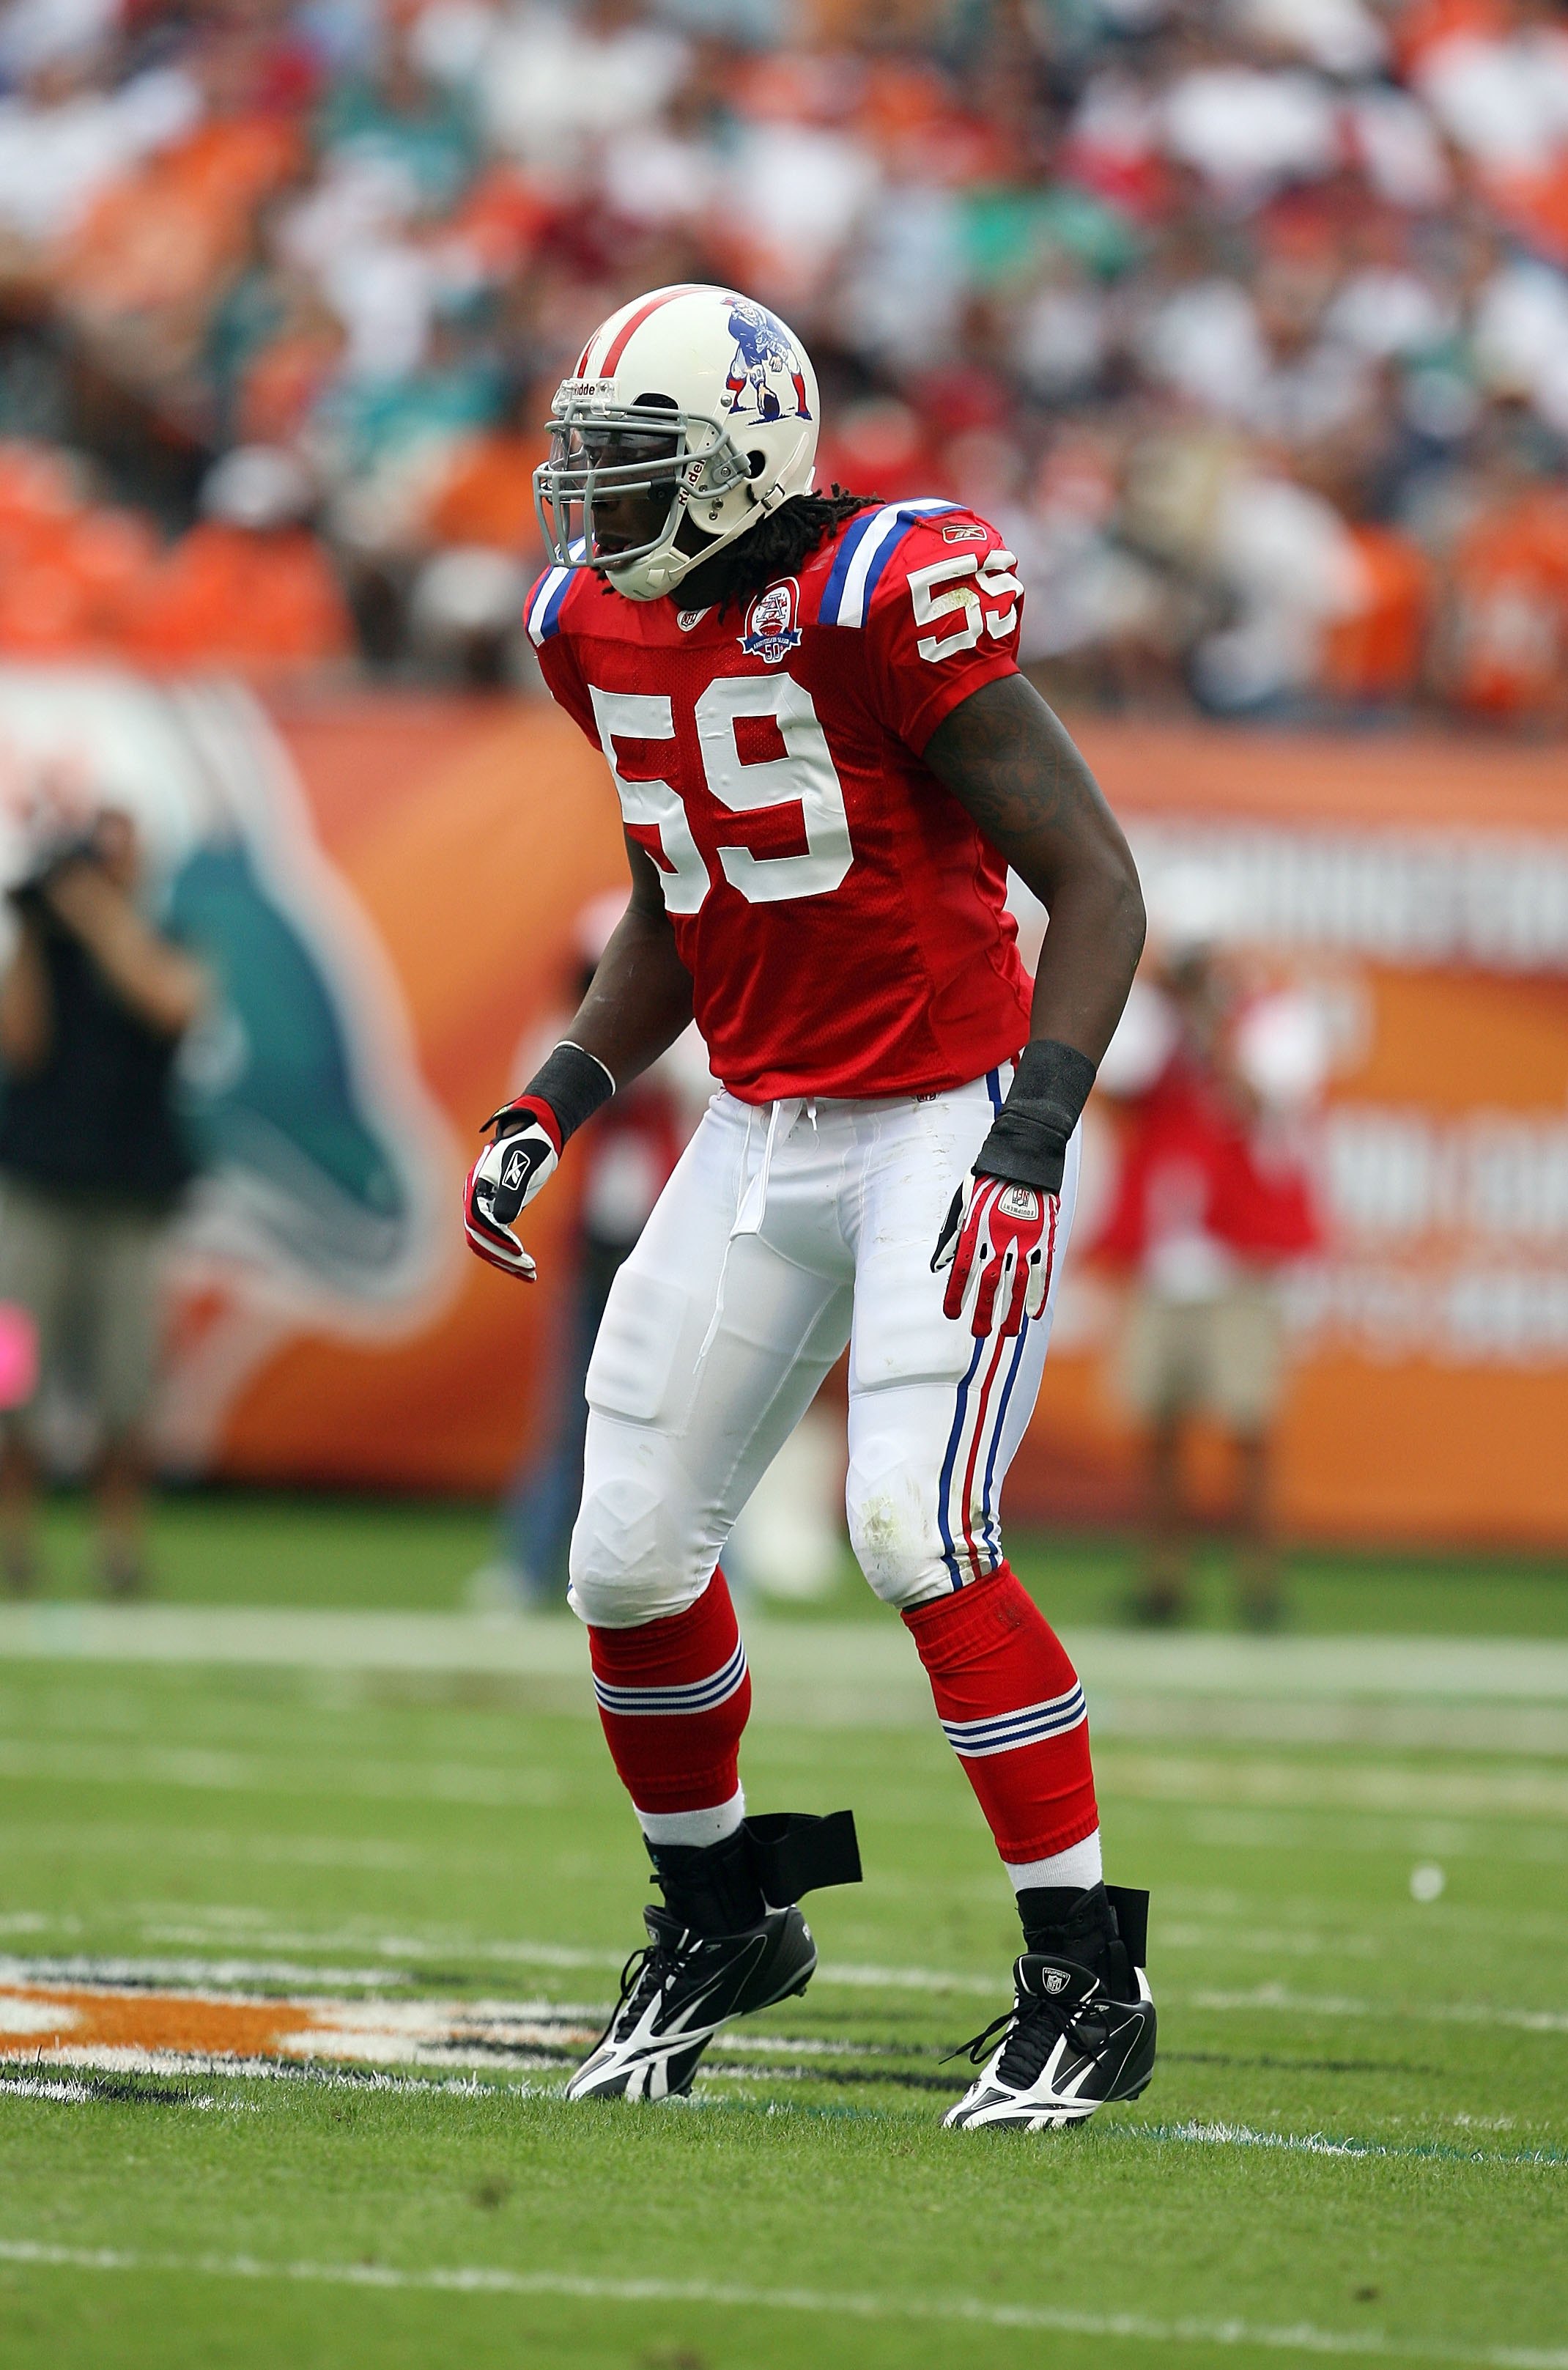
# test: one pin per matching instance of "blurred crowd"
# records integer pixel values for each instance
(1247, 319)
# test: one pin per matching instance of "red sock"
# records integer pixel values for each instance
(674, 1697)
(1008, 1696)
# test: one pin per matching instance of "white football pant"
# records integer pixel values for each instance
(786, 1231)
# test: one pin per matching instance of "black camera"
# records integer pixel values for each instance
(48, 861)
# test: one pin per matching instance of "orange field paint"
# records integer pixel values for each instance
(44, 2019)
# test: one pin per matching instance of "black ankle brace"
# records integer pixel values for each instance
(1066, 1920)
(767, 1863)
(712, 1888)
(1104, 1928)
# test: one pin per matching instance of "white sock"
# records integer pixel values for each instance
(1079, 1864)
(694, 1827)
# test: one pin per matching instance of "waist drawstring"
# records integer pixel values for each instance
(752, 1201)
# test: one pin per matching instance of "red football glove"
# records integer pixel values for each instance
(504, 1179)
(999, 1238)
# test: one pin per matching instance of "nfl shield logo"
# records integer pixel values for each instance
(770, 631)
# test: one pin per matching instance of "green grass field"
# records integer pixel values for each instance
(1357, 2141)
(229, 1548)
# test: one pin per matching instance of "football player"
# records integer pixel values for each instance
(825, 759)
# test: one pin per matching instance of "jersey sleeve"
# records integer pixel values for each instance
(941, 621)
(545, 617)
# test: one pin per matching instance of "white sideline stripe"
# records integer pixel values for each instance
(871, 1658)
(482, 2279)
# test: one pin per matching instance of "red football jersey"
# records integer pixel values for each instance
(843, 918)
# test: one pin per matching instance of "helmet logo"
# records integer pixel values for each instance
(770, 631)
(764, 367)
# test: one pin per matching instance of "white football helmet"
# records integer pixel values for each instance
(691, 388)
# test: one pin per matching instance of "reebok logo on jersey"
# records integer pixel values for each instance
(972, 534)
(770, 631)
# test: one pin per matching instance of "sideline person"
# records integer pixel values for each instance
(826, 758)
(1213, 1203)
(94, 1002)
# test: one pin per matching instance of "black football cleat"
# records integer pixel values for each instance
(729, 1940)
(1081, 2030)
(677, 1993)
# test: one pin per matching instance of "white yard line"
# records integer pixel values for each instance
(1236, 1784)
(74, 1761)
(1274, 1996)
(228, 1972)
(1319, 2144)
(978, 2312)
(178, 2065)
(1251, 1781)
(233, 1972)
(64, 2091)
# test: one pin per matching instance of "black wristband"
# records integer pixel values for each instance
(573, 1083)
(1028, 1139)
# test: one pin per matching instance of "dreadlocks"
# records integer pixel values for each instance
(778, 546)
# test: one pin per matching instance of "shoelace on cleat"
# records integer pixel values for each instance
(646, 1973)
(1036, 2025)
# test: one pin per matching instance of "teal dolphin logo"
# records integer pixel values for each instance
(325, 1162)
(270, 1095)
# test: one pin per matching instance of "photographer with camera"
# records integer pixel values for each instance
(94, 1002)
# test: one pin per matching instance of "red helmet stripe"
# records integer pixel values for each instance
(582, 369)
(629, 328)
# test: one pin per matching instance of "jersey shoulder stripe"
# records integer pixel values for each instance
(545, 603)
(868, 543)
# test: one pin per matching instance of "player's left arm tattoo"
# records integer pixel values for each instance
(1014, 768)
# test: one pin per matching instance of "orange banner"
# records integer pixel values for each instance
(1421, 887)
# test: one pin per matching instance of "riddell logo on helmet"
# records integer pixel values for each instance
(770, 631)
(577, 390)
